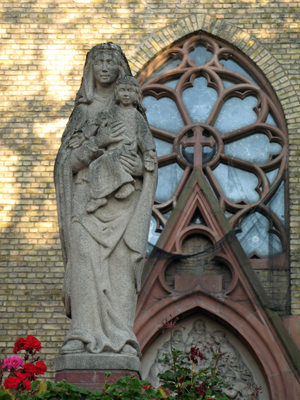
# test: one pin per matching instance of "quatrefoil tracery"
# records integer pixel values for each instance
(206, 143)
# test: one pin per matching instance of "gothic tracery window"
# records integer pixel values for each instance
(210, 107)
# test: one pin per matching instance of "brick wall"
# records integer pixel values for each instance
(43, 47)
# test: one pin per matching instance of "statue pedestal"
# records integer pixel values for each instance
(87, 370)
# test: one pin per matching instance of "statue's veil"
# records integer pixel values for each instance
(86, 91)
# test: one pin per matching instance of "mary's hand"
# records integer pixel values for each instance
(132, 164)
(111, 134)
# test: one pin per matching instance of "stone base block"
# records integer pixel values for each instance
(87, 371)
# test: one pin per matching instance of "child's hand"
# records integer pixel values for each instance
(76, 140)
(149, 160)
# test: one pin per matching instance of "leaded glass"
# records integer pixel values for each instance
(172, 84)
(163, 114)
(162, 147)
(168, 179)
(228, 84)
(270, 120)
(199, 100)
(277, 204)
(166, 66)
(237, 184)
(153, 235)
(256, 238)
(200, 55)
(236, 114)
(209, 110)
(272, 176)
(235, 67)
(255, 148)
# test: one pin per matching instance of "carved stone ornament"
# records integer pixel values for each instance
(237, 366)
(105, 178)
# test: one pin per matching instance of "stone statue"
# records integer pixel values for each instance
(105, 178)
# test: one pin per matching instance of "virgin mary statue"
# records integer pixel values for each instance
(104, 250)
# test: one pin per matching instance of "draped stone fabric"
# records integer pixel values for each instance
(104, 250)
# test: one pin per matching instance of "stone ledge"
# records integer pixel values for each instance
(98, 362)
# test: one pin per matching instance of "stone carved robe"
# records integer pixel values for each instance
(103, 251)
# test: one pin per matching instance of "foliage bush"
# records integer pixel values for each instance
(181, 379)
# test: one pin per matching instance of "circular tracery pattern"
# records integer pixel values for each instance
(209, 107)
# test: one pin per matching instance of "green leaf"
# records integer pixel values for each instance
(6, 396)
(51, 385)
(34, 384)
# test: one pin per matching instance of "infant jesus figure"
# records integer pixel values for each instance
(106, 173)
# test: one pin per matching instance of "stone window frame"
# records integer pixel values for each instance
(268, 103)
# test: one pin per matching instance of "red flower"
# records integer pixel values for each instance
(31, 343)
(29, 370)
(17, 382)
(19, 345)
(11, 382)
(147, 387)
(195, 355)
(201, 390)
(20, 376)
(26, 385)
(40, 368)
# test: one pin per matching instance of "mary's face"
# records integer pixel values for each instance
(105, 68)
(199, 325)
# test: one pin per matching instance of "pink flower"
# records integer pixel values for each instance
(13, 362)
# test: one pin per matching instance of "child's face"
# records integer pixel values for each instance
(126, 94)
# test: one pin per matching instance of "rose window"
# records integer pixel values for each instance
(210, 107)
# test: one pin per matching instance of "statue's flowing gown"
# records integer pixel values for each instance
(103, 251)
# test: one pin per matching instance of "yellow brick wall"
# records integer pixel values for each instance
(43, 48)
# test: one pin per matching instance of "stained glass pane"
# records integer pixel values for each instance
(200, 55)
(233, 115)
(199, 100)
(163, 114)
(276, 204)
(172, 84)
(272, 175)
(236, 114)
(163, 148)
(237, 184)
(168, 180)
(270, 120)
(227, 84)
(166, 66)
(228, 214)
(235, 67)
(153, 236)
(167, 214)
(256, 238)
(255, 148)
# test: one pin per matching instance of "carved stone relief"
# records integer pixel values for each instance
(237, 366)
